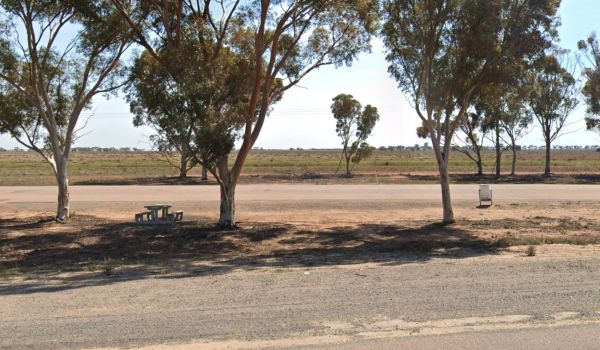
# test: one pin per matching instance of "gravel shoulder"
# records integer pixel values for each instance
(295, 307)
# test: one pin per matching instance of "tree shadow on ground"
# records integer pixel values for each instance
(87, 251)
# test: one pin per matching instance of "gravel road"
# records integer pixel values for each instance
(290, 307)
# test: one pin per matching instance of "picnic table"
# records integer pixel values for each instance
(152, 215)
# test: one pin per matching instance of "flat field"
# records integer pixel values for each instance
(26, 168)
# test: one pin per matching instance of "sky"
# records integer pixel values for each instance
(303, 118)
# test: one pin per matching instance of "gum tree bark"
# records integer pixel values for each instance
(441, 149)
(548, 159)
(514, 160)
(62, 180)
(498, 144)
(183, 167)
(227, 186)
(448, 216)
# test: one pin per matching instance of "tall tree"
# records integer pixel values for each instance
(590, 49)
(156, 101)
(491, 104)
(505, 116)
(470, 139)
(515, 120)
(354, 126)
(442, 52)
(53, 62)
(553, 96)
(285, 39)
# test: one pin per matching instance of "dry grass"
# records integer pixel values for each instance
(26, 168)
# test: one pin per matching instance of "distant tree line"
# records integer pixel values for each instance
(415, 148)
(525, 148)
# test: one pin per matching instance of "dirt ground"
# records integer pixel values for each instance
(284, 225)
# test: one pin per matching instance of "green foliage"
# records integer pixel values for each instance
(364, 151)
(354, 125)
(50, 74)
(471, 142)
(591, 89)
(191, 88)
(516, 117)
(553, 95)
(443, 52)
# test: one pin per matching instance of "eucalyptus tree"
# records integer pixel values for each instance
(156, 101)
(505, 116)
(470, 139)
(516, 120)
(284, 40)
(590, 49)
(491, 102)
(354, 125)
(442, 52)
(55, 57)
(553, 96)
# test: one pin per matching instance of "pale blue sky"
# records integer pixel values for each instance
(302, 118)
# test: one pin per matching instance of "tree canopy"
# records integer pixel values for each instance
(553, 95)
(354, 126)
(591, 88)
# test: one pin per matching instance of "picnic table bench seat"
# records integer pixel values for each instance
(175, 216)
(139, 217)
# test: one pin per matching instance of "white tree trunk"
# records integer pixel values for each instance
(442, 155)
(227, 211)
(446, 200)
(514, 160)
(62, 180)
(548, 159)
